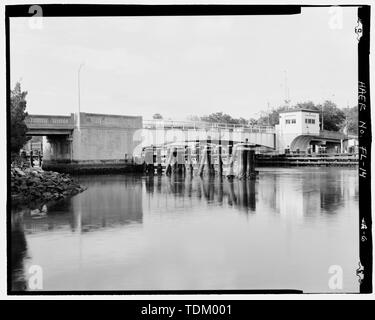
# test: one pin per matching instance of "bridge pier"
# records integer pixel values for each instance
(197, 152)
(189, 163)
(251, 173)
(149, 160)
(159, 168)
(244, 155)
(242, 162)
(246, 163)
(206, 167)
(175, 163)
(233, 151)
(230, 143)
(56, 149)
(220, 160)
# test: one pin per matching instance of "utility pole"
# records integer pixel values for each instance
(287, 98)
(346, 119)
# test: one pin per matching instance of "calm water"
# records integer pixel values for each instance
(282, 231)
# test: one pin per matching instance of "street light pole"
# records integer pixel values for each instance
(79, 95)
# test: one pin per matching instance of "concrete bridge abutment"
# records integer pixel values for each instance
(57, 149)
(88, 142)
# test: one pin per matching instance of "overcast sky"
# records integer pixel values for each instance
(181, 66)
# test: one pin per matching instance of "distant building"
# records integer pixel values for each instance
(351, 144)
(299, 130)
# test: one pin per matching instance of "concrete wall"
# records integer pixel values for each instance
(105, 137)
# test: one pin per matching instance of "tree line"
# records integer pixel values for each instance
(332, 117)
(18, 114)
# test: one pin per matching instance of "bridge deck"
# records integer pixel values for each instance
(47, 124)
(185, 125)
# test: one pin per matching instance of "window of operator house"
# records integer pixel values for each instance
(290, 121)
(312, 121)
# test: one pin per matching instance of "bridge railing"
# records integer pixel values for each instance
(47, 121)
(150, 124)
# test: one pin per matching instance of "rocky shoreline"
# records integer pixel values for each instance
(33, 184)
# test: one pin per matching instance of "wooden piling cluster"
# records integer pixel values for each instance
(180, 161)
(176, 163)
(206, 167)
(245, 155)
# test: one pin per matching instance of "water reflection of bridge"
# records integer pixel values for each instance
(313, 191)
(239, 194)
(124, 204)
(115, 201)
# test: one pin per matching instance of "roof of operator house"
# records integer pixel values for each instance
(301, 109)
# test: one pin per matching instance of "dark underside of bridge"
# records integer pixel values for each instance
(305, 141)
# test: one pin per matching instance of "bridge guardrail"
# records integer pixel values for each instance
(204, 125)
(38, 121)
(47, 121)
